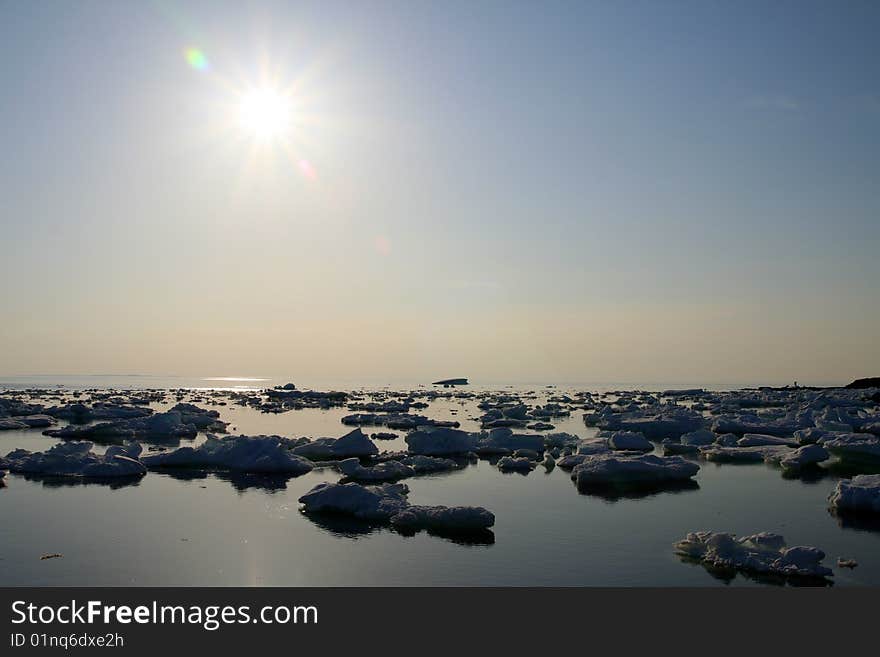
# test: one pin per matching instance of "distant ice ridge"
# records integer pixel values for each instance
(76, 459)
(763, 553)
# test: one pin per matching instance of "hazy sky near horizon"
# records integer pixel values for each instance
(554, 191)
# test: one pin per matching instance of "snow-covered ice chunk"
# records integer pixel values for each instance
(38, 420)
(436, 441)
(759, 454)
(560, 440)
(859, 494)
(388, 504)
(673, 447)
(646, 469)
(353, 444)
(255, 454)
(761, 440)
(375, 503)
(669, 423)
(860, 448)
(76, 459)
(698, 438)
(630, 441)
(429, 464)
(502, 440)
(804, 457)
(763, 553)
(444, 518)
(809, 436)
(593, 446)
(385, 471)
(515, 464)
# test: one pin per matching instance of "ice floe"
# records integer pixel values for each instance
(353, 444)
(630, 441)
(502, 440)
(444, 518)
(255, 454)
(763, 554)
(76, 459)
(804, 457)
(434, 441)
(853, 447)
(385, 471)
(645, 469)
(388, 503)
(516, 464)
(859, 494)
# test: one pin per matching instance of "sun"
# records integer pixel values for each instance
(264, 113)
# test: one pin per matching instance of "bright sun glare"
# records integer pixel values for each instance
(264, 113)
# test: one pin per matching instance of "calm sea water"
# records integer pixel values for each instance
(220, 530)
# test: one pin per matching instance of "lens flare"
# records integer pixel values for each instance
(382, 245)
(307, 170)
(196, 59)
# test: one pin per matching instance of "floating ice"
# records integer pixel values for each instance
(593, 446)
(670, 422)
(854, 447)
(254, 454)
(388, 503)
(630, 441)
(80, 413)
(751, 423)
(171, 424)
(385, 471)
(76, 459)
(859, 494)
(353, 444)
(512, 464)
(756, 454)
(804, 457)
(763, 553)
(429, 464)
(444, 518)
(502, 440)
(646, 469)
(435, 441)
(560, 440)
(376, 503)
(27, 421)
(761, 440)
(673, 447)
(698, 438)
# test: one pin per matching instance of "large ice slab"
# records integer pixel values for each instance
(436, 441)
(763, 553)
(353, 444)
(646, 469)
(859, 494)
(256, 454)
(76, 459)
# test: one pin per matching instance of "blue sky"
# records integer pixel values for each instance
(526, 191)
